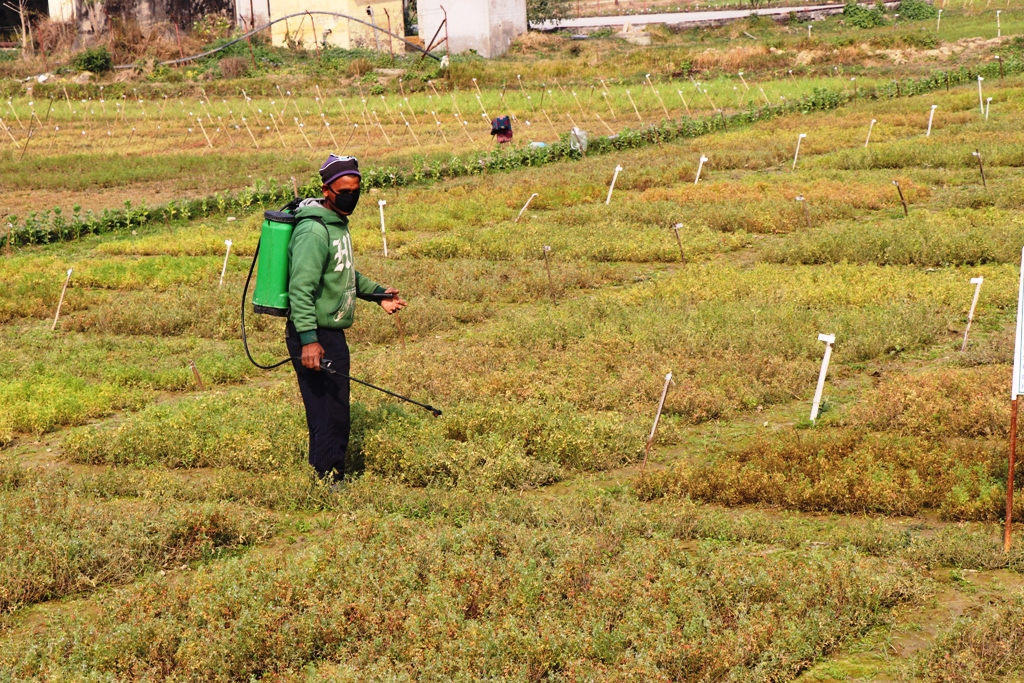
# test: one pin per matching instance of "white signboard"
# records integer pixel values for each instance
(1017, 349)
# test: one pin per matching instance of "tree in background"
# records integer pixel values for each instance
(545, 10)
(411, 16)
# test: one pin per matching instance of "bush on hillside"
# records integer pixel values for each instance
(862, 17)
(544, 10)
(96, 59)
(917, 9)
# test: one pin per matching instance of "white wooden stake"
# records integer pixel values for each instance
(1014, 393)
(699, 167)
(380, 205)
(829, 340)
(611, 187)
(868, 138)
(523, 210)
(930, 117)
(981, 102)
(1018, 354)
(988, 105)
(195, 373)
(657, 418)
(999, 27)
(938, 22)
(976, 281)
(224, 268)
(61, 302)
(809, 26)
(797, 155)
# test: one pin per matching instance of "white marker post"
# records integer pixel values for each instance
(380, 205)
(1018, 365)
(797, 155)
(931, 116)
(699, 167)
(999, 26)
(829, 340)
(679, 241)
(981, 167)
(547, 267)
(657, 418)
(974, 303)
(523, 210)
(938, 22)
(809, 27)
(61, 302)
(224, 268)
(988, 105)
(981, 101)
(195, 373)
(807, 212)
(618, 169)
(868, 138)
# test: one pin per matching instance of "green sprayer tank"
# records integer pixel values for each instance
(271, 293)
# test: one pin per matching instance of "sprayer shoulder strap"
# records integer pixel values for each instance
(315, 219)
(327, 233)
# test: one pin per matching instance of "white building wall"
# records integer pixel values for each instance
(508, 21)
(343, 33)
(61, 10)
(486, 26)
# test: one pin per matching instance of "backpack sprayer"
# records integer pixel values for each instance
(270, 296)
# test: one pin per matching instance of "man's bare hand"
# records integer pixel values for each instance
(312, 354)
(395, 303)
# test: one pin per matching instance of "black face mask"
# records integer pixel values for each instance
(345, 202)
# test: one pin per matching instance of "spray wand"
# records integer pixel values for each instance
(324, 364)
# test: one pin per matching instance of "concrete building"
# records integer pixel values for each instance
(486, 26)
(91, 17)
(384, 14)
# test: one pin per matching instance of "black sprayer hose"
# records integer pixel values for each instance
(245, 293)
(324, 364)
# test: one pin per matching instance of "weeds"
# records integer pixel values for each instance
(914, 443)
(978, 647)
(476, 593)
(56, 542)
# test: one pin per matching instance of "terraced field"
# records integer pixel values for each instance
(153, 530)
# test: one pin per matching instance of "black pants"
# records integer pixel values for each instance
(326, 398)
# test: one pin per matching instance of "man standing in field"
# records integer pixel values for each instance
(323, 285)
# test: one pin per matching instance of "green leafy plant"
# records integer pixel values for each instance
(861, 17)
(96, 59)
(915, 10)
(547, 10)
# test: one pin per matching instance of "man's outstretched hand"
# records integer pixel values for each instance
(392, 305)
(312, 354)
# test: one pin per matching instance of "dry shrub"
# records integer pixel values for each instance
(536, 42)
(738, 58)
(930, 440)
(847, 471)
(55, 542)
(128, 42)
(839, 472)
(53, 36)
(234, 67)
(989, 646)
(359, 67)
(953, 402)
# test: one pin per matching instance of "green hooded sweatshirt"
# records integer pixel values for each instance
(322, 281)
